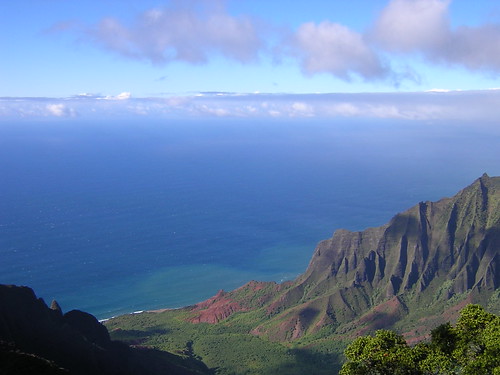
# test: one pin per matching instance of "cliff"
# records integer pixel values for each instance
(425, 262)
(36, 339)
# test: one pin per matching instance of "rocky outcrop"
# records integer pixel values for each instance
(88, 326)
(41, 340)
(455, 239)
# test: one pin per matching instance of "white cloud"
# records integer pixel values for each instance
(408, 25)
(182, 32)
(456, 106)
(56, 109)
(476, 48)
(197, 31)
(301, 109)
(213, 111)
(422, 26)
(438, 90)
(343, 109)
(274, 113)
(333, 48)
(122, 96)
(60, 110)
(85, 95)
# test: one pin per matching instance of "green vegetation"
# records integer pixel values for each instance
(226, 347)
(471, 347)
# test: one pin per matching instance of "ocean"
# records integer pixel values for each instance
(116, 217)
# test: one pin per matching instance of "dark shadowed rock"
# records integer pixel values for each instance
(36, 339)
(90, 328)
(15, 362)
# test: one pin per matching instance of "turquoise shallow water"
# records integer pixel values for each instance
(114, 218)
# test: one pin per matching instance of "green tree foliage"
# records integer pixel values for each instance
(471, 347)
(385, 353)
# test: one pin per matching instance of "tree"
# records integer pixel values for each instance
(478, 348)
(472, 347)
(385, 353)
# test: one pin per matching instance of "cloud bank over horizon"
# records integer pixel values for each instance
(438, 105)
(199, 31)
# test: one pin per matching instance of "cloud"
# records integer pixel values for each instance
(60, 110)
(422, 26)
(333, 48)
(455, 106)
(197, 31)
(86, 95)
(409, 25)
(301, 109)
(190, 32)
(211, 110)
(56, 109)
(476, 48)
(122, 96)
(438, 90)
(343, 109)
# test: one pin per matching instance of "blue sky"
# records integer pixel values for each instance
(172, 57)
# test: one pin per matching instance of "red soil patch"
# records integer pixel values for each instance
(214, 309)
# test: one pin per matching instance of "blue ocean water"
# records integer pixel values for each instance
(112, 217)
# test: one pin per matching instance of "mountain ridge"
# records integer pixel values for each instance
(449, 247)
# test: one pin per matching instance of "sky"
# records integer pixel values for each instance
(410, 59)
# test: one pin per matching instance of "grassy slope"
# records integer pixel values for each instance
(227, 346)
